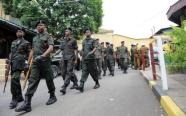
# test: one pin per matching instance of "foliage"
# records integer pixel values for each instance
(59, 14)
(177, 57)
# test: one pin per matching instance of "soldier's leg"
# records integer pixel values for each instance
(69, 75)
(84, 75)
(46, 72)
(109, 65)
(104, 67)
(99, 67)
(112, 66)
(74, 80)
(63, 69)
(15, 89)
(33, 82)
(93, 72)
(125, 66)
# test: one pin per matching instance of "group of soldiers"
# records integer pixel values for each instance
(96, 58)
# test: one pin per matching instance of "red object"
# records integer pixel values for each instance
(152, 62)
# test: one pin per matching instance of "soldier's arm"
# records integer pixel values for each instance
(50, 48)
(76, 50)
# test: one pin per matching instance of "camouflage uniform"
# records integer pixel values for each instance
(98, 58)
(68, 46)
(123, 53)
(110, 59)
(88, 63)
(20, 49)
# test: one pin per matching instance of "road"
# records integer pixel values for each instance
(121, 95)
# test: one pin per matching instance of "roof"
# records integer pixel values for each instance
(12, 27)
(176, 10)
(162, 30)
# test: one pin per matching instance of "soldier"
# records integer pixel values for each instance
(98, 57)
(118, 57)
(20, 50)
(123, 53)
(103, 57)
(88, 61)
(132, 55)
(110, 58)
(136, 57)
(70, 54)
(143, 56)
(41, 67)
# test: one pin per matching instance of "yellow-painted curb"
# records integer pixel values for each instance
(170, 107)
(152, 83)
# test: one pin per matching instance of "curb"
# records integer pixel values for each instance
(166, 102)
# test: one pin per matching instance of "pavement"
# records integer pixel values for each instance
(175, 97)
(121, 95)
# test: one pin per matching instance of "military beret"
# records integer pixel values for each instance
(122, 41)
(20, 29)
(107, 43)
(102, 42)
(68, 28)
(40, 22)
(86, 29)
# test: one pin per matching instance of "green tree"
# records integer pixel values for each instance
(59, 14)
(177, 56)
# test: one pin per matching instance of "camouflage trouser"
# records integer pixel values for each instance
(89, 67)
(99, 65)
(104, 65)
(15, 84)
(38, 71)
(111, 64)
(136, 62)
(132, 60)
(124, 63)
(67, 72)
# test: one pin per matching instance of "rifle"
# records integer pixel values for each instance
(27, 74)
(7, 67)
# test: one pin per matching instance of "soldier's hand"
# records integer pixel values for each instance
(39, 58)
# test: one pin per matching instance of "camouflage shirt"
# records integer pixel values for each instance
(68, 45)
(87, 46)
(20, 50)
(41, 43)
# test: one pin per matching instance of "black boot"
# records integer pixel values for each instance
(104, 74)
(112, 73)
(63, 90)
(74, 86)
(13, 103)
(81, 87)
(99, 76)
(20, 98)
(125, 72)
(26, 106)
(52, 99)
(97, 85)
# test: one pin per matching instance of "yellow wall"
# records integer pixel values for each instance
(128, 41)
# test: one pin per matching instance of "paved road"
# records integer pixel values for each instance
(122, 95)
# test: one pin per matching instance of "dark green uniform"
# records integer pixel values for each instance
(20, 49)
(104, 64)
(132, 55)
(88, 63)
(123, 53)
(68, 46)
(110, 59)
(98, 58)
(41, 69)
